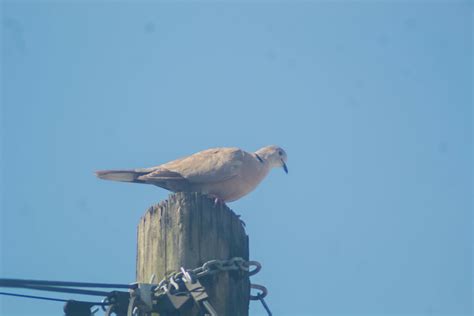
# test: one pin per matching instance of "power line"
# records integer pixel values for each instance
(174, 293)
(49, 298)
(22, 282)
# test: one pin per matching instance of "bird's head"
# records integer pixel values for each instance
(273, 155)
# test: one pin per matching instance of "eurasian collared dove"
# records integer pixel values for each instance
(225, 174)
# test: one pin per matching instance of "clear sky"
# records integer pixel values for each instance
(372, 100)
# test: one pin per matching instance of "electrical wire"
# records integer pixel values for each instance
(12, 282)
(63, 290)
(51, 298)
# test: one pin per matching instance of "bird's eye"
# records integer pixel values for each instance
(280, 153)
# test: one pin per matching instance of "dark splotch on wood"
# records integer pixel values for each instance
(186, 231)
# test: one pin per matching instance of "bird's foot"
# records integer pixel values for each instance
(241, 221)
(217, 200)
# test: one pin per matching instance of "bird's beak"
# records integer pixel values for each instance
(285, 167)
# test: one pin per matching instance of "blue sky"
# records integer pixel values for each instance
(372, 100)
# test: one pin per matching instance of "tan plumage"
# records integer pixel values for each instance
(223, 173)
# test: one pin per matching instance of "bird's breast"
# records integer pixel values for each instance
(238, 186)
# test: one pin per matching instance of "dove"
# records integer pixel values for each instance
(225, 173)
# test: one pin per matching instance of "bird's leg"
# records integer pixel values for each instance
(241, 221)
(217, 200)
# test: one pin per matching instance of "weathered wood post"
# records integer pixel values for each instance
(186, 231)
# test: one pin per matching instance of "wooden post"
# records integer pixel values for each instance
(186, 231)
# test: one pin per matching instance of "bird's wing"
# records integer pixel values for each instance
(161, 174)
(208, 166)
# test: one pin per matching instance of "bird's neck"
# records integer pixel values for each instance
(265, 164)
(263, 154)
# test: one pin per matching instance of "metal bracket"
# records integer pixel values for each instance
(75, 308)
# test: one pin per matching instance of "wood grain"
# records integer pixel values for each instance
(186, 231)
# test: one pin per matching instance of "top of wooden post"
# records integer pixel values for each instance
(186, 230)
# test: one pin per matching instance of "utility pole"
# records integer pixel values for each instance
(188, 230)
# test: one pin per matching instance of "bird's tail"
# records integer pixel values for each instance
(119, 175)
